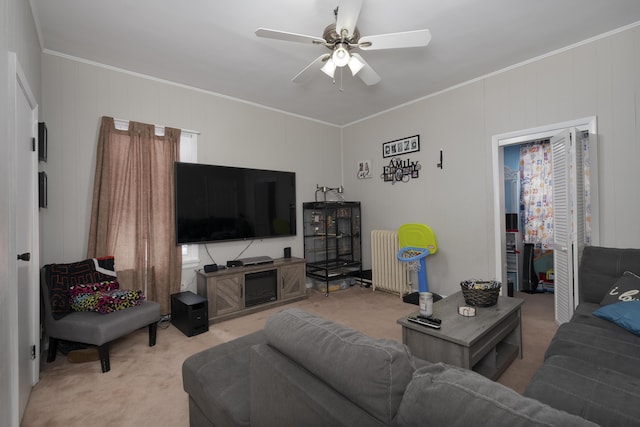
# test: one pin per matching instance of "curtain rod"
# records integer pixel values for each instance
(123, 121)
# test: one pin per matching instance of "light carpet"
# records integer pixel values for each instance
(144, 386)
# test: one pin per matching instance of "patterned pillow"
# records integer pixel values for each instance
(85, 302)
(626, 288)
(118, 299)
(103, 298)
(108, 301)
(75, 290)
(86, 297)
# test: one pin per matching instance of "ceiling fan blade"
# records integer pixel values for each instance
(311, 69)
(416, 38)
(348, 12)
(368, 76)
(286, 36)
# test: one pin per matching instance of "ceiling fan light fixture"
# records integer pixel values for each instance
(329, 68)
(340, 55)
(355, 65)
(341, 37)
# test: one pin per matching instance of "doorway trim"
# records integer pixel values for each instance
(498, 142)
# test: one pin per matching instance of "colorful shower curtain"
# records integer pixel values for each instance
(536, 204)
(588, 213)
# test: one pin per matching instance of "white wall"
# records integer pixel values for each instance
(453, 201)
(23, 40)
(600, 78)
(77, 94)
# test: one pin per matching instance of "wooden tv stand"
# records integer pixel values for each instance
(225, 289)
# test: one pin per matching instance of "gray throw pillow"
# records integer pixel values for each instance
(626, 288)
(441, 395)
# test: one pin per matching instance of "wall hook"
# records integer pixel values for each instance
(440, 164)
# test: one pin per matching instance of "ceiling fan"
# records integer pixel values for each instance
(342, 38)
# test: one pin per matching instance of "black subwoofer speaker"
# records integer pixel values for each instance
(189, 313)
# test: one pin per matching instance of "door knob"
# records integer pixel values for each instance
(24, 257)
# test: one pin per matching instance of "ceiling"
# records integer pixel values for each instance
(211, 44)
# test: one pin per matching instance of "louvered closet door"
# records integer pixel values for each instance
(562, 256)
(568, 220)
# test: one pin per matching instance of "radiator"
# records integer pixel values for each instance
(387, 273)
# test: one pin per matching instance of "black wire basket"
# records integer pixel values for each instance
(480, 293)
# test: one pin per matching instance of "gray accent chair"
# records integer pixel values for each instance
(95, 329)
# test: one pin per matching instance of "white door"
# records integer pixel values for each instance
(568, 218)
(26, 239)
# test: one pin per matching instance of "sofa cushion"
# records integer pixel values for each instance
(624, 314)
(89, 327)
(588, 389)
(626, 288)
(372, 373)
(441, 395)
(619, 351)
(584, 314)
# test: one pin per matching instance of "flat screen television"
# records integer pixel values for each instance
(222, 203)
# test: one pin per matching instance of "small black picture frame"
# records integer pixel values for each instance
(42, 189)
(401, 146)
(42, 142)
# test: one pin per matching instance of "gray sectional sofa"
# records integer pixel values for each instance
(304, 370)
(592, 365)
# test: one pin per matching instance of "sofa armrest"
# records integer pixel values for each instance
(284, 393)
(217, 381)
(443, 395)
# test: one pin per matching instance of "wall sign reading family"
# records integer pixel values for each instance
(401, 146)
(399, 170)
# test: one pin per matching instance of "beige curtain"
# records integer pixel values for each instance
(132, 217)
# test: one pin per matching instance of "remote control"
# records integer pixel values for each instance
(431, 322)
